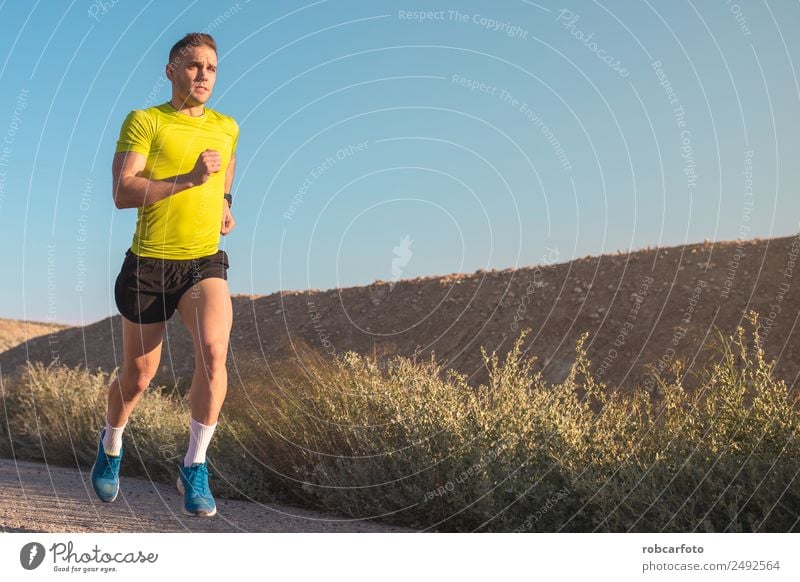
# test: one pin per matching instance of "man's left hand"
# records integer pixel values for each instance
(227, 219)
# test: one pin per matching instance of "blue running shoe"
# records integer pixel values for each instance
(105, 473)
(193, 483)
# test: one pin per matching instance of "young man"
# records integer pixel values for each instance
(174, 163)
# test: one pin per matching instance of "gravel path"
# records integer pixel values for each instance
(35, 497)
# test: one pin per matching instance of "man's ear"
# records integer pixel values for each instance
(169, 70)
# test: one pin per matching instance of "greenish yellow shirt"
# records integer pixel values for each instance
(185, 225)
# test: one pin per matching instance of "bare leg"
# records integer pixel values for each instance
(141, 347)
(207, 312)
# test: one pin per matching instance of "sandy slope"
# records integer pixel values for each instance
(35, 497)
(14, 332)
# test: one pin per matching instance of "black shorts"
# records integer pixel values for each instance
(147, 290)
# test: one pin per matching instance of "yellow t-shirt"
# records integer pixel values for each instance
(185, 225)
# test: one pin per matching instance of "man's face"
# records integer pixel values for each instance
(193, 75)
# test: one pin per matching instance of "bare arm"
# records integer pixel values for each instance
(132, 190)
(229, 173)
(227, 218)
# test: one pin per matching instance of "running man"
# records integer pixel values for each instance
(174, 163)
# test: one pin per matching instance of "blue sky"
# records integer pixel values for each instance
(484, 133)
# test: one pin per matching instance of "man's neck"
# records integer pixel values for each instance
(180, 107)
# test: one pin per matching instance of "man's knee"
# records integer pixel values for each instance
(213, 354)
(135, 381)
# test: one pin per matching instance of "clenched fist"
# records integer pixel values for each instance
(208, 162)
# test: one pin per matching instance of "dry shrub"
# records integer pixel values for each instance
(399, 439)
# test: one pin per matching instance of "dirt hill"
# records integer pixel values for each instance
(14, 332)
(645, 307)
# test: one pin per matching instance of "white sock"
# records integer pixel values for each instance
(199, 437)
(112, 441)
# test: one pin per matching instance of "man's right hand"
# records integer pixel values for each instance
(208, 162)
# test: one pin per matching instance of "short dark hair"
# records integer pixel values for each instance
(191, 40)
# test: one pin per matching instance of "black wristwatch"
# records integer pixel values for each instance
(229, 198)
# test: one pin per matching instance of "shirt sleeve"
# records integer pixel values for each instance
(235, 138)
(136, 134)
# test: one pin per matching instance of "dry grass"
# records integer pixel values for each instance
(409, 442)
